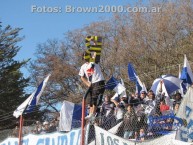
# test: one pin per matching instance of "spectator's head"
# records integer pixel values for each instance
(107, 98)
(124, 99)
(163, 102)
(150, 91)
(132, 95)
(136, 95)
(178, 97)
(123, 102)
(129, 108)
(173, 97)
(141, 131)
(46, 125)
(33, 132)
(52, 123)
(151, 96)
(37, 122)
(176, 107)
(142, 94)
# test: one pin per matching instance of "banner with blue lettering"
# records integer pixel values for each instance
(104, 137)
(185, 133)
(70, 138)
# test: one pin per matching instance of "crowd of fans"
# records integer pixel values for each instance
(38, 128)
(45, 127)
(143, 116)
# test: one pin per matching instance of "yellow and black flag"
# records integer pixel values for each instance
(93, 44)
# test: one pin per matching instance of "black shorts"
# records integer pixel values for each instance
(97, 89)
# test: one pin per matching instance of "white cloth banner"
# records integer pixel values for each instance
(119, 88)
(71, 138)
(70, 116)
(112, 130)
(103, 137)
(22, 107)
(186, 112)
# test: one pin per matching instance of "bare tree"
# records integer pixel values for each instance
(153, 42)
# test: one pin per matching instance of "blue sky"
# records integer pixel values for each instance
(39, 27)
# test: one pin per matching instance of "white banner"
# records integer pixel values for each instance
(71, 138)
(112, 130)
(103, 137)
(186, 112)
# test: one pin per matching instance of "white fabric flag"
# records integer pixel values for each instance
(29, 104)
(23, 106)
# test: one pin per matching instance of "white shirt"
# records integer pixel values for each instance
(88, 71)
(119, 113)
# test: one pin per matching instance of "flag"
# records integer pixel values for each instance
(124, 93)
(185, 111)
(134, 78)
(70, 116)
(29, 104)
(117, 96)
(182, 89)
(114, 84)
(186, 74)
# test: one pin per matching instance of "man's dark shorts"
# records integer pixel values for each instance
(97, 89)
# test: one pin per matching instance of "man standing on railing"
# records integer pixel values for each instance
(92, 77)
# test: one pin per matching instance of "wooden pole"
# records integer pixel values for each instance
(179, 70)
(83, 122)
(83, 118)
(20, 129)
(155, 71)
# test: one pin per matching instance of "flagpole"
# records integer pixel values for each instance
(83, 117)
(20, 129)
(179, 70)
(29, 102)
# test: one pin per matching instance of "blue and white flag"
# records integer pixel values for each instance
(117, 96)
(186, 74)
(185, 111)
(29, 104)
(134, 78)
(114, 84)
(70, 116)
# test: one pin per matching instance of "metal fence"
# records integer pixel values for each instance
(143, 128)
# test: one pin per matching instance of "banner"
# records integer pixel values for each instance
(71, 138)
(70, 116)
(103, 137)
(185, 133)
(112, 130)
